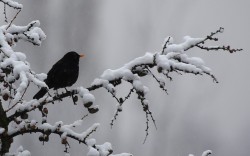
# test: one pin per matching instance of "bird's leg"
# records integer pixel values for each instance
(66, 90)
(57, 95)
(71, 96)
(50, 96)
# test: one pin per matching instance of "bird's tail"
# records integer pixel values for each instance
(41, 93)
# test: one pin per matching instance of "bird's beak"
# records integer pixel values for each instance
(82, 55)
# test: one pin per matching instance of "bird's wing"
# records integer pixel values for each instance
(54, 73)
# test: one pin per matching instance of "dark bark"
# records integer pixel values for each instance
(4, 138)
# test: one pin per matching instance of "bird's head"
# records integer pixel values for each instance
(72, 55)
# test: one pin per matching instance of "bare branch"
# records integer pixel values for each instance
(161, 83)
(13, 19)
(216, 48)
(119, 107)
(5, 14)
(165, 45)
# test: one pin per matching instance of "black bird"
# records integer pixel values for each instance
(62, 74)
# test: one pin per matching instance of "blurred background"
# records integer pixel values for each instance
(197, 114)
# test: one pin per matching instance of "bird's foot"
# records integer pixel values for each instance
(74, 98)
(58, 96)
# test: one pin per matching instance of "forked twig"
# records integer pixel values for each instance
(13, 19)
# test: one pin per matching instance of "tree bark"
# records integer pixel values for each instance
(5, 140)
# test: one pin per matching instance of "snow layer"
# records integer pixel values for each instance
(2, 130)
(104, 150)
(22, 152)
(13, 4)
(206, 153)
(180, 48)
(65, 130)
(85, 95)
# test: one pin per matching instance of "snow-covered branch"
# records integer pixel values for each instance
(172, 58)
(58, 128)
(31, 33)
(25, 107)
(12, 4)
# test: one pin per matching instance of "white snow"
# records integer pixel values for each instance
(17, 60)
(85, 95)
(146, 59)
(140, 87)
(206, 153)
(64, 135)
(180, 48)
(27, 106)
(22, 152)
(33, 122)
(1, 130)
(76, 123)
(163, 62)
(31, 33)
(91, 142)
(13, 4)
(93, 152)
(104, 149)
(58, 126)
(38, 79)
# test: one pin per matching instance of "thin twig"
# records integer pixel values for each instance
(84, 116)
(131, 90)
(165, 45)
(5, 14)
(209, 37)
(166, 74)
(13, 19)
(148, 112)
(225, 48)
(20, 98)
(162, 84)
(121, 101)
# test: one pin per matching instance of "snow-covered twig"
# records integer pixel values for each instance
(216, 48)
(5, 14)
(57, 128)
(12, 4)
(209, 37)
(31, 33)
(87, 99)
